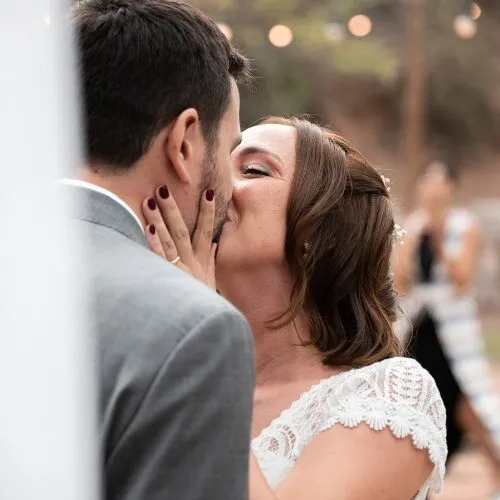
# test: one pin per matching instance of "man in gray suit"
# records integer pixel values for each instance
(161, 108)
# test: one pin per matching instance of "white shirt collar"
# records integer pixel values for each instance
(105, 192)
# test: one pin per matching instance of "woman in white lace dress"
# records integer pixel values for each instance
(305, 255)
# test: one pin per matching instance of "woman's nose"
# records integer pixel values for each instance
(238, 192)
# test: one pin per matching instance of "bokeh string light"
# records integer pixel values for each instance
(226, 29)
(334, 32)
(475, 11)
(465, 27)
(280, 35)
(360, 25)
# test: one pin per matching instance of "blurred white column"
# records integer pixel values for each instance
(47, 442)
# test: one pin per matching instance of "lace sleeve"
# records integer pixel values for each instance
(396, 393)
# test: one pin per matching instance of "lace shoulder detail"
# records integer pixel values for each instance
(396, 393)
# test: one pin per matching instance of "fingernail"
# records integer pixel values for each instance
(152, 229)
(210, 194)
(163, 191)
(152, 204)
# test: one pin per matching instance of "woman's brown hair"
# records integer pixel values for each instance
(338, 247)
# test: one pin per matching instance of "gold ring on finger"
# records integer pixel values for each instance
(175, 261)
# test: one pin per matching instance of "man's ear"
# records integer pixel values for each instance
(184, 144)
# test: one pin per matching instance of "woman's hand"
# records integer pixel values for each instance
(168, 235)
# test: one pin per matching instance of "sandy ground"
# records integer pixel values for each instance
(469, 479)
(469, 476)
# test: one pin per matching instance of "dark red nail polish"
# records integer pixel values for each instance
(152, 229)
(163, 191)
(210, 195)
(152, 204)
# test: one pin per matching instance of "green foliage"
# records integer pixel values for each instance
(304, 77)
(365, 57)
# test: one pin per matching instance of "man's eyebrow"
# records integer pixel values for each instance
(252, 150)
(236, 143)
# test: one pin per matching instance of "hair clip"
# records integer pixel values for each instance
(398, 235)
(387, 183)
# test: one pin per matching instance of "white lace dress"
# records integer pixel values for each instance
(396, 393)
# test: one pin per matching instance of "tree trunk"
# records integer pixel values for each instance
(415, 76)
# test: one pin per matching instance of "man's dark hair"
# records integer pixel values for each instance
(143, 62)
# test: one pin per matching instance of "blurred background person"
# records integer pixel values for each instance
(435, 272)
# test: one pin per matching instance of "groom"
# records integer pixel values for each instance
(160, 108)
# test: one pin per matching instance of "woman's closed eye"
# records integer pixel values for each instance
(254, 169)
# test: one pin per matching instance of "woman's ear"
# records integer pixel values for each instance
(184, 143)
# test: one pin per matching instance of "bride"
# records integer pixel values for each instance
(305, 255)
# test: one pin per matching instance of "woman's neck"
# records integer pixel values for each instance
(282, 358)
(260, 294)
(281, 355)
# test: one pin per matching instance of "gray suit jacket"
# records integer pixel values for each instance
(176, 368)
